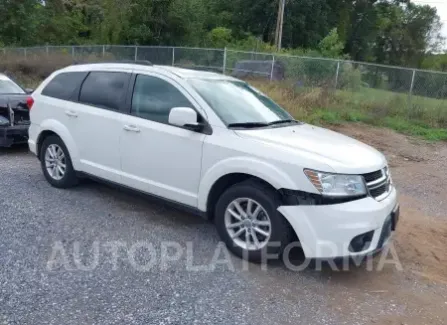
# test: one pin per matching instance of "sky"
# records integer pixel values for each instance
(441, 6)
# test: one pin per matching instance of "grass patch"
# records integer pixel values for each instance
(324, 116)
(417, 116)
(415, 128)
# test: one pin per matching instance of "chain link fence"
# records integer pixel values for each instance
(400, 88)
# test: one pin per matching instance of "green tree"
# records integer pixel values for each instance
(361, 32)
(219, 37)
(61, 23)
(19, 21)
(435, 62)
(405, 34)
(397, 32)
(331, 46)
(155, 22)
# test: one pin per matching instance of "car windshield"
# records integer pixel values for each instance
(9, 87)
(238, 104)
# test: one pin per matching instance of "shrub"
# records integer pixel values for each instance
(219, 37)
(32, 70)
(310, 72)
(349, 77)
(331, 46)
(35, 68)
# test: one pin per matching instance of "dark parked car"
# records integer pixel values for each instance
(15, 103)
(259, 69)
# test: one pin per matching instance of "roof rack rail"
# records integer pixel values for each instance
(140, 62)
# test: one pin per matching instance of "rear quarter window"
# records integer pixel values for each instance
(65, 85)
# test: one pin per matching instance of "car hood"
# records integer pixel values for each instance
(342, 153)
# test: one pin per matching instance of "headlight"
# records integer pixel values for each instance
(336, 184)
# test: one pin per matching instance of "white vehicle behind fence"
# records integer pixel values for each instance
(217, 146)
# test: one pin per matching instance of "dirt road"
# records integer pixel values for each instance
(417, 294)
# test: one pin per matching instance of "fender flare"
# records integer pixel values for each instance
(62, 131)
(241, 165)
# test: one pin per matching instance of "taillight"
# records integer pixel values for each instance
(29, 102)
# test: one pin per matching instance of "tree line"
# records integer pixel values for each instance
(397, 32)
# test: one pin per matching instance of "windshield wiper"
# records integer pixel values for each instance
(260, 124)
(248, 125)
(283, 121)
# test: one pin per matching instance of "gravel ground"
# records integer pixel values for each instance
(37, 220)
(49, 239)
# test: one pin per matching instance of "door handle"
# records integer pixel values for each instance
(71, 113)
(131, 128)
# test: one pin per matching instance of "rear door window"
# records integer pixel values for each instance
(65, 85)
(105, 89)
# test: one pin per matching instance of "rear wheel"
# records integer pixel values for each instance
(248, 222)
(56, 163)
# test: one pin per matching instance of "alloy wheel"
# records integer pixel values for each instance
(55, 162)
(248, 224)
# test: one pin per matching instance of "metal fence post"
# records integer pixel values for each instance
(103, 51)
(136, 52)
(410, 94)
(224, 65)
(337, 74)
(273, 68)
(73, 52)
(24, 52)
(173, 56)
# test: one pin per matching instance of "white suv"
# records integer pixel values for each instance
(215, 144)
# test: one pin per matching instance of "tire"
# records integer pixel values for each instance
(69, 178)
(281, 233)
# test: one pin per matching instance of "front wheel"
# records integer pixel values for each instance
(248, 222)
(56, 163)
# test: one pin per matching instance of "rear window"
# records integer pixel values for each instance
(9, 87)
(105, 89)
(64, 85)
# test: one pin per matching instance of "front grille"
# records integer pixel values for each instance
(379, 190)
(370, 177)
(378, 183)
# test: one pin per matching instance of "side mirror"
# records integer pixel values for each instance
(185, 117)
(29, 90)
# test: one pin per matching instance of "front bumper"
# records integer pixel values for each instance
(16, 134)
(327, 231)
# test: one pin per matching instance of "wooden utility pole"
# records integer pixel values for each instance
(278, 21)
(279, 24)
